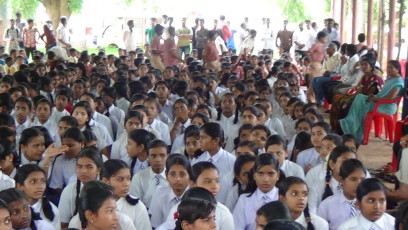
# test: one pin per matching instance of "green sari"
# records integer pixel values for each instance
(353, 123)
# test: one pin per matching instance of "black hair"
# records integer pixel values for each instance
(89, 136)
(260, 161)
(336, 139)
(141, 137)
(369, 185)
(199, 167)
(26, 137)
(8, 148)
(23, 100)
(275, 210)
(252, 145)
(93, 195)
(93, 154)
(304, 119)
(315, 113)
(214, 130)
(351, 137)
(70, 120)
(13, 194)
(239, 162)
(73, 133)
(110, 168)
(302, 142)
(22, 174)
(243, 127)
(351, 49)
(275, 140)
(202, 116)
(178, 159)
(401, 217)
(262, 127)
(283, 225)
(156, 144)
(191, 210)
(396, 65)
(324, 125)
(64, 92)
(349, 166)
(87, 108)
(47, 136)
(254, 110)
(6, 120)
(236, 110)
(321, 34)
(133, 113)
(335, 154)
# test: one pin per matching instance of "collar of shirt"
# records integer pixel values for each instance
(272, 195)
(367, 224)
(333, 185)
(216, 156)
(13, 173)
(301, 219)
(153, 174)
(230, 119)
(25, 124)
(343, 199)
(111, 108)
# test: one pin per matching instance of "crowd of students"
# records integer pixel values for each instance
(106, 142)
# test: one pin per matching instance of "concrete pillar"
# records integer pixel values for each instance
(391, 34)
(354, 22)
(370, 24)
(342, 22)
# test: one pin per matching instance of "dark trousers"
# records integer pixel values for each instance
(29, 51)
(328, 90)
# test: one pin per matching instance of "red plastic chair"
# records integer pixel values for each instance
(397, 136)
(389, 121)
(326, 104)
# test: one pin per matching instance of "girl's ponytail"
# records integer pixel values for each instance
(327, 190)
(310, 225)
(47, 209)
(78, 190)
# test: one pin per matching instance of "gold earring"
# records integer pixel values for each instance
(92, 221)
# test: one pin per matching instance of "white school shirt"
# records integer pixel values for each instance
(223, 218)
(41, 224)
(101, 133)
(291, 145)
(275, 125)
(119, 149)
(123, 104)
(386, 222)
(308, 156)
(167, 109)
(292, 169)
(49, 125)
(6, 182)
(402, 173)
(318, 222)
(56, 115)
(39, 209)
(163, 129)
(230, 130)
(316, 192)
(137, 213)
(289, 126)
(25, 161)
(20, 128)
(224, 161)
(338, 215)
(62, 170)
(179, 140)
(163, 199)
(116, 115)
(246, 207)
(104, 121)
(232, 197)
(125, 223)
(316, 174)
(144, 183)
(67, 205)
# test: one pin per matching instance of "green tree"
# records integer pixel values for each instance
(54, 8)
(294, 10)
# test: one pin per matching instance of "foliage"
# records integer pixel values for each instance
(26, 7)
(75, 6)
(328, 6)
(294, 10)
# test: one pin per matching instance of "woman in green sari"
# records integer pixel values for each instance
(353, 123)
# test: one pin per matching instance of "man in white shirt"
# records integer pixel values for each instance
(129, 37)
(63, 34)
(300, 39)
(268, 38)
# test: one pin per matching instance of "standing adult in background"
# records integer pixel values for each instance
(20, 24)
(316, 57)
(194, 28)
(332, 34)
(63, 34)
(285, 38)
(171, 55)
(226, 32)
(243, 34)
(268, 38)
(30, 38)
(201, 37)
(361, 41)
(149, 32)
(184, 35)
(49, 35)
(300, 40)
(12, 36)
(129, 37)
(311, 34)
(157, 48)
